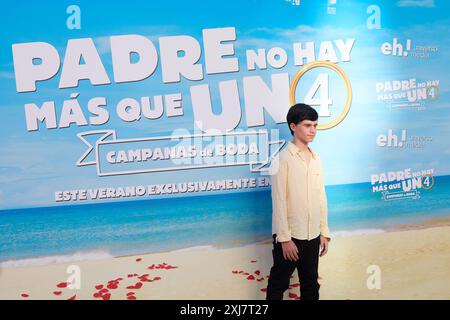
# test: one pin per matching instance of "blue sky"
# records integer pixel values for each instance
(35, 164)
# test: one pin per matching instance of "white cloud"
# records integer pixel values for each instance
(152, 32)
(7, 75)
(416, 3)
(300, 29)
(434, 163)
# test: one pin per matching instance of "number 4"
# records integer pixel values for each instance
(324, 101)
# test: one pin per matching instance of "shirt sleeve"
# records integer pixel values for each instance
(324, 230)
(278, 176)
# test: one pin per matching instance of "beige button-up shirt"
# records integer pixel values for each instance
(298, 196)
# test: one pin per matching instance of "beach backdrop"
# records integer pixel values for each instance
(136, 140)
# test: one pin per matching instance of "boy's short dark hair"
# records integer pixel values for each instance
(299, 112)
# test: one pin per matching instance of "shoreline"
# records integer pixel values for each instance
(241, 272)
(235, 243)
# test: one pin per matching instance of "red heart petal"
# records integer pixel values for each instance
(62, 285)
(103, 290)
(98, 287)
(264, 289)
(257, 272)
(157, 278)
(97, 295)
(72, 297)
(106, 296)
(138, 259)
(24, 295)
(57, 293)
(131, 298)
(136, 286)
(250, 277)
(130, 293)
(292, 295)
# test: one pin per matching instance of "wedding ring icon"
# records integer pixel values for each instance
(334, 67)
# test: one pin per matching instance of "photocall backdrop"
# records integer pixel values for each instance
(143, 127)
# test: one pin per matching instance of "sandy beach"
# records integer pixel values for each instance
(414, 264)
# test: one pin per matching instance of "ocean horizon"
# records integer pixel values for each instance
(44, 235)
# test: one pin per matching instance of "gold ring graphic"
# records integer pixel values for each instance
(432, 180)
(436, 88)
(348, 86)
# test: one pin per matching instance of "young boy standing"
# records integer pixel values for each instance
(300, 216)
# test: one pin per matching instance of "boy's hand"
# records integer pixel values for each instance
(290, 251)
(323, 245)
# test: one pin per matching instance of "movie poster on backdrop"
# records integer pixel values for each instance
(138, 137)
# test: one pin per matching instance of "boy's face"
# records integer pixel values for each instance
(305, 130)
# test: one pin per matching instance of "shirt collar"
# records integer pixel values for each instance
(294, 149)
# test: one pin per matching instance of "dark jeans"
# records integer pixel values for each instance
(307, 268)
